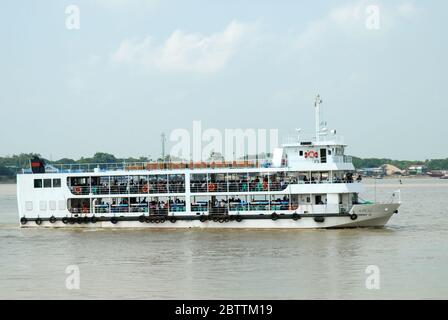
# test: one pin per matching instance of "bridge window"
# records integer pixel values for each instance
(47, 183)
(56, 183)
(37, 183)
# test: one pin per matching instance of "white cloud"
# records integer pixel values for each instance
(186, 52)
(340, 18)
(351, 19)
(120, 4)
(407, 10)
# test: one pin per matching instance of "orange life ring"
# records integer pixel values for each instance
(211, 187)
(265, 185)
(78, 190)
(145, 188)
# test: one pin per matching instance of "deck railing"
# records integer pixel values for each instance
(133, 166)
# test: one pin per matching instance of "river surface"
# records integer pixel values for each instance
(409, 257)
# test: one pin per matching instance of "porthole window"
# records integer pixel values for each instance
(43, 205)
(52, 205)
(29, 205)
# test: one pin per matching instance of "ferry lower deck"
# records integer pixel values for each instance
(372, 215)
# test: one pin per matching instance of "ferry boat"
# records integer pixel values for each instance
(308, 183)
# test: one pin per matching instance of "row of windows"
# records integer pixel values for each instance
(44, 205)
(47, 183)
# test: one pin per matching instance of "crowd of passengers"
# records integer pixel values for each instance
(264, 184)
(242, 185)
(161, 207)
(178, 186)
(139, 186)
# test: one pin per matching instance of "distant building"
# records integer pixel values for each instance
(390, 170)
(371, 172)
(416, 170)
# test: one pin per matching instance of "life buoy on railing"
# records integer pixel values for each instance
(145, 188)
(78, 190)
(211, 187)
(265, 185)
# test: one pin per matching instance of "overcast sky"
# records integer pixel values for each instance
(137, 68)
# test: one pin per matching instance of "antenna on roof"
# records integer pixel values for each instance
(317, 104)
(163, 136)
(298, 130)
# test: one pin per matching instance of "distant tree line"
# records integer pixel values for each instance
(431, 164)
(10, 165)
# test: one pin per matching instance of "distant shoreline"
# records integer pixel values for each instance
(8, 180)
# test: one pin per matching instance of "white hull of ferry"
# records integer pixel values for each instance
(372, 215)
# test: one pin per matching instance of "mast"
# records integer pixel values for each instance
(317, 115)
(163, 138)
